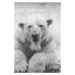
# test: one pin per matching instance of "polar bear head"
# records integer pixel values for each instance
(35, 29)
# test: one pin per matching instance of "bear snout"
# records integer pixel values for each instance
(35, 37)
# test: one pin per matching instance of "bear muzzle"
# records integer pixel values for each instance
(35, 37)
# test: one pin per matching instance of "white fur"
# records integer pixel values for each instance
(49, 55)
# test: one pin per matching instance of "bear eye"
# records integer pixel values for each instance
(40, 25)
(29, 26)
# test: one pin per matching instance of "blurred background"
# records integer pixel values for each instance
(48, 10)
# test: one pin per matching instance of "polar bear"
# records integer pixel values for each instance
(35, 46)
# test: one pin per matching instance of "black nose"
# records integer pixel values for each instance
(35, 37)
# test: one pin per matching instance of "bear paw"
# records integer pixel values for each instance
(37, 63)
(21, 64)
(21, 67)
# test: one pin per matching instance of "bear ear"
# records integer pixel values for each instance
(49, 22)
(21, 25)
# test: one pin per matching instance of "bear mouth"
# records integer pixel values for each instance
(35, 37)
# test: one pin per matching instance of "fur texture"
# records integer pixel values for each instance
(37, 45)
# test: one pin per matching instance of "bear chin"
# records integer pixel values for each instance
(35, 46)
